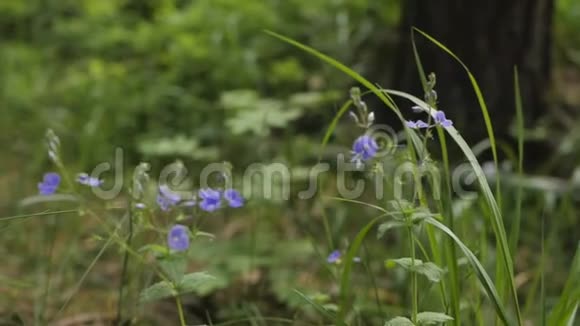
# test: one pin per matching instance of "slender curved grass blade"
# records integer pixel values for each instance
(45, 213)
(379, 208)
(353, 74)
(515, 231)
(332, 126)
(316, 306)
(475, 86)
(480, 272)
(565, 309)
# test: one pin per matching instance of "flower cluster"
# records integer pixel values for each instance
(209, 200)
(87, 180)
(440, 120)
(51, 181)
(364, 148)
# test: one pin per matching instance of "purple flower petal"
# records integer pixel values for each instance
(178, 238)
(365, 147)
(170, 195)
(87, 180)
(440, 117)
(334, 257)
(51, 178)
(166, 198)
(411, 124)
(49, 184)
(46, 190)
(447, 123)
(210, 199)
(234, 198)
(422, 124)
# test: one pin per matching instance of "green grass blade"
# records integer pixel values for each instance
(379, 208)
(353, 74)
(332, 126)
(314, 304)
(480, 272)
(45, 213)
(347, 269)
(565, 309)
(515, 231)
(476, 88)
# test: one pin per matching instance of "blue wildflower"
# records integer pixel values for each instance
(210, 199)
(419, 124)
(178, 238)
(334, 257)
(365, 147)
(442, 120)
(87, 180)
(167, 198)
(234, 198)
(49, 184)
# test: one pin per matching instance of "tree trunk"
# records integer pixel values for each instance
(490, 37)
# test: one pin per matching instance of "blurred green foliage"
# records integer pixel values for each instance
(567, 25)
(120, 72)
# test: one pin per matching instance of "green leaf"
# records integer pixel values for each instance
(239, 99)
(399, 321)
(199, 282)
(157, 291)
(432, 318)
(178, 145)
(433, 272)
(328, 314)
(174, 267)
(383, 228)
(254, 115)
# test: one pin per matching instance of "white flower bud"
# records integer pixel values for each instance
(353, 117)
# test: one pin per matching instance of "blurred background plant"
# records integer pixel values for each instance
(199, 81)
